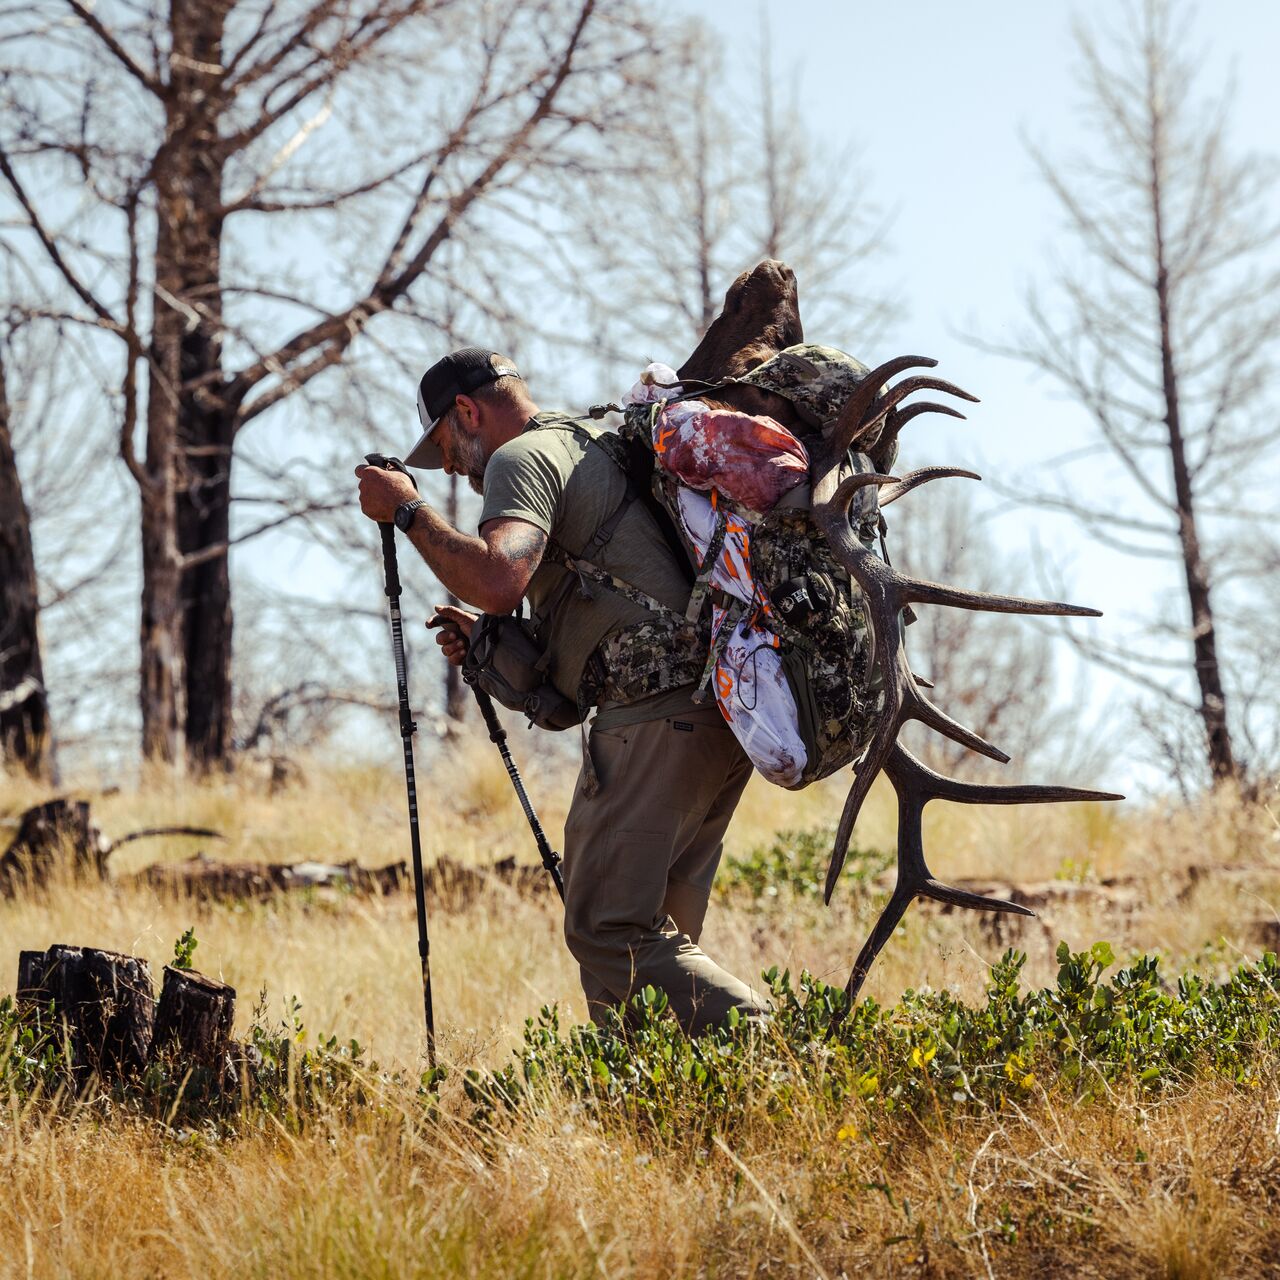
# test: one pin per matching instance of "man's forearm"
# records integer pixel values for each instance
(462, 563)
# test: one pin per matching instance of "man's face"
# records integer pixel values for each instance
(464, 454)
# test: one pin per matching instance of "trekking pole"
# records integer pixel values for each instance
(498, 736)
(407, 730)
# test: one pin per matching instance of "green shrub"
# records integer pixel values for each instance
(796, 861)
(930, 1051)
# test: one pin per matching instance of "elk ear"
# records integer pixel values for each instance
(761, 310)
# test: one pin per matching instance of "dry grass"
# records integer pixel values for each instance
(1181, 1188)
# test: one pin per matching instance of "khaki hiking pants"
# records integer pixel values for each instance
(639, 859)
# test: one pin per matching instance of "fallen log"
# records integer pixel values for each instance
(458, 884)
(207, 878)
(48, 832)
(453, 883)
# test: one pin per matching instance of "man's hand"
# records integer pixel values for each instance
(455, 630)
(382, 491)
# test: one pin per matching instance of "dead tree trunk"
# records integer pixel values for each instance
(103, 1000)
(455, 696)
(24, 708)
(46, 832)
(186, 611)
(1213, 700)
(193, 1021)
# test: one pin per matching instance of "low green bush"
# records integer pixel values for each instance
(1083, 1035)
(796, 862)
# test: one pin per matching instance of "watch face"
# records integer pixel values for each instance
(404, 515)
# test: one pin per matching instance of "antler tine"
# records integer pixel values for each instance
(849, 429)
(900, 391)
(943, 788)
(914, 479)
(918, 591)
(915, 706)
(889, 591)
(898, 418)
(864, 774)
(916, 785)
(859, 480)
(853, 417)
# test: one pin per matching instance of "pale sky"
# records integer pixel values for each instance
(933, 96)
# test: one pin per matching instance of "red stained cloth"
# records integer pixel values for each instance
(752, 461)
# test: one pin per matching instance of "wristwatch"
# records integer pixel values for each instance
(405, 512)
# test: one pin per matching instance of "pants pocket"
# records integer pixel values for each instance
(633, 880)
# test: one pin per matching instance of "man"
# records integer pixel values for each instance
(661, 774)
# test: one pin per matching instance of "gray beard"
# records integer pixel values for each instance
(469, 458)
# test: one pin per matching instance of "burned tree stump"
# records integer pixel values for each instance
(45, 831)
(104, 1001)
(31, 970)
(193, 1022)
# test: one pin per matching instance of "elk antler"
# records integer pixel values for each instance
(916, 785)
(914, 479)
(887, 593)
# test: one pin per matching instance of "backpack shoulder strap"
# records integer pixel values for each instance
(625, 456)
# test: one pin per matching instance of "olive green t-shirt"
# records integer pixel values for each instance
(555, 479)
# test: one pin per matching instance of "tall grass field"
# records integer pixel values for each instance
(1091, 1093)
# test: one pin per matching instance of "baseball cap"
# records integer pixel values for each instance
(459, 373)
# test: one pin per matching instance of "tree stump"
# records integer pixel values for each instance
(31, 968)
(193, 1021)
(105, 1001)
(45, 831)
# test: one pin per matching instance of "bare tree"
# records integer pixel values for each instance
(149, 152)
(719, 185)
(24, 704)
(1164, 332)
(455, 698)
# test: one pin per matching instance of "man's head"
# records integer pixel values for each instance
(469, 403)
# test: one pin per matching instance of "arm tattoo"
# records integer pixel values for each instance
(525, 547)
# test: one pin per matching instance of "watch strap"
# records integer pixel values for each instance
(404, 514)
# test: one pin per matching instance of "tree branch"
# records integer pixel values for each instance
(118, 51)
(336, 332)
(51, 248)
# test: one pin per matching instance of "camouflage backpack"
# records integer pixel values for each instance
(802, 594)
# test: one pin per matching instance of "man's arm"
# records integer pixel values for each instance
(490, 572)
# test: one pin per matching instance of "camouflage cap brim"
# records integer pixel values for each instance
(817, 380)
